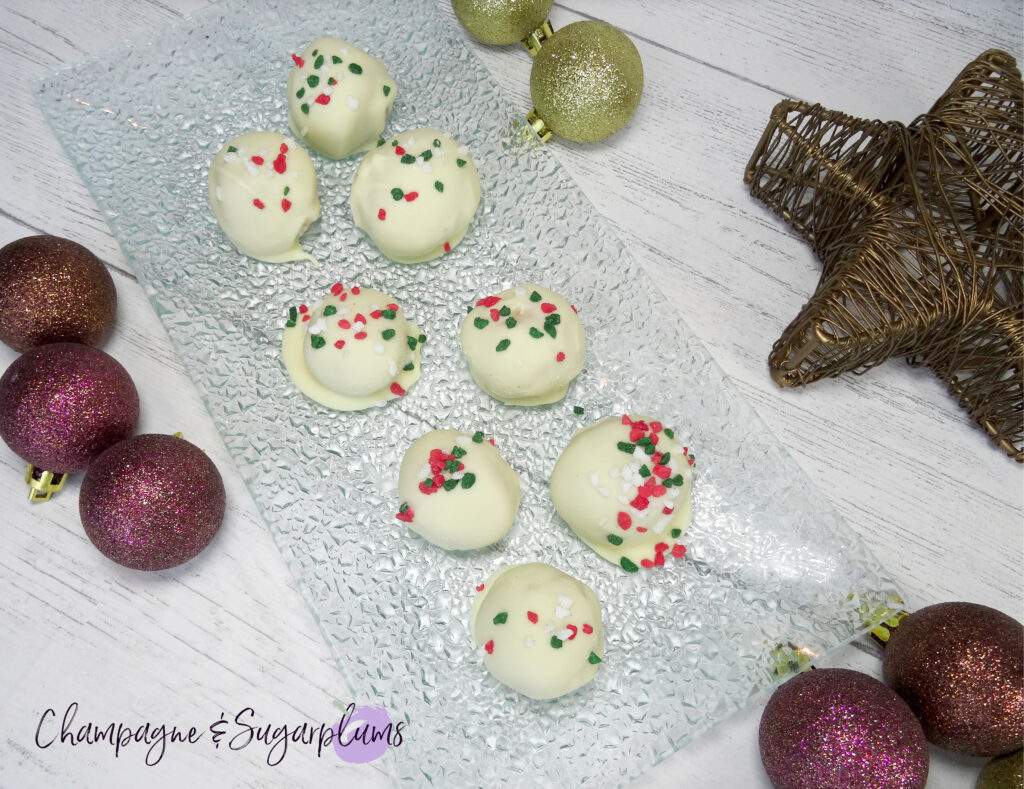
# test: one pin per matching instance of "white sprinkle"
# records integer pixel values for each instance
(220, 195)
(426, 167)
(378, 348)
(670, 507)
(673, 493)
(480, 651)
(659, 527)
(528, 642)
(262, 152)
(411, 141)
(640, 455)
(294, 174)
(230, 156)
(343, 52)
(425, 471)
(289, 142)
(549, 628)
(561, 613)
(565, 601)
(613, 473)
(392, 369)
(359, 325)
(463, 150)
(328, 91)
(520, 292)
(593, 478)
(463, 440)
(344, 311)
(352, 102)
(563, 635)
(623, 499)
(317, 326)
(252, 169)
(458, 475)
(604, 492)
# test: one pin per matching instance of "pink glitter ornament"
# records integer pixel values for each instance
(62, 404)
(840, 729)
(152, 502)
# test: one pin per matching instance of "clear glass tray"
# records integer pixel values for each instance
(769, 561)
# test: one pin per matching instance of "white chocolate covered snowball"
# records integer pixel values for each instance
(524, 346)
(415, 195)
(456, 490)
(338, 97)
(262, 189)
(623, 485)
(354, 350)
(538, 629)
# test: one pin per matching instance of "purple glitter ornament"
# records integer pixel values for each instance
(840, 729)
(152, 502)
(960, 666)
(62, 404)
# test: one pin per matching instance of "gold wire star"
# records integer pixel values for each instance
(920, 231)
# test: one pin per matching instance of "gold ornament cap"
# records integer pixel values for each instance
(502, 21)
(587, 81)
(43, 484)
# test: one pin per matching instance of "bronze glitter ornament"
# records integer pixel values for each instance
(960, 667)
(1004, 772)
(920, 231)
(586, 82)
(502, 21)
(53, 290)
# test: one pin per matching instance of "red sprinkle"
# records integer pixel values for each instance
(659, 560)
(646, 563)
(490, 301)
(258, 203)
(280, 163)
(635, 434)
(305, 318)
(393, 307)
(298, 61)
(641, 529)
(399, 150)
(490, 441)
(656, 457)
(360, 318)
(662, 472)
(257, 160)
(410, 196)
(667, 510)
(480, 588)
(531, 616)
(284, 148)
(679, 550)
(376, 314)
(303, 308)
(656, 427)
(323, 98)
(337, 288)
(447, 247)
(344, 324)
(560, 357)
(406, 516)
(574, 631)
(360, 335)
(342, 297)
(355, 290)
(624, 521)
(339, 344)
(574, 308)
(547, 307)
(489, 647)
(396, 389)
(661, 547)
(625, 420)
(658, 491)
(495, 315)
(285, 204)
(382, 215)
(639, 503)
(588, 629)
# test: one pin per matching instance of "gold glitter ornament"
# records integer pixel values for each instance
(1004, 772)
(586, 82)
(502, 21)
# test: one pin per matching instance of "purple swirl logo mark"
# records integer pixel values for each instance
(364, 734)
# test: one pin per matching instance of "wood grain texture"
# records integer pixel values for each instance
(894, 454)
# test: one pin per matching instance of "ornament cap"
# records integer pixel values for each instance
(43, 484)
(538, 125)
(535, 40)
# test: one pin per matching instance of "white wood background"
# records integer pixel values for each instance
(901, 462)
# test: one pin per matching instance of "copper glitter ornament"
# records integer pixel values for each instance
(586, 82)
(960, 666)
(502, 21)
(53, 290)
(62, 404)
(840, 729)
(152, 502)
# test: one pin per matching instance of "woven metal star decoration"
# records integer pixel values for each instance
(920, 231)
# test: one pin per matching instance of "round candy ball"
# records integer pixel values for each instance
(62, 404)
(53, 290)
(152, 502)
(586, 81)
(1003, 772)
(960, 666)
(502, 21)
(840, 729)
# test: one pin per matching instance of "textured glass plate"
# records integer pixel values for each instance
(769, 561)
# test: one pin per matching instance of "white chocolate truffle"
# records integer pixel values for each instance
(524, 346)
(415, 195)
(262, 189)
(538, 629)
(623, 485)
(456, 490)
(354, 350)
(339, 97)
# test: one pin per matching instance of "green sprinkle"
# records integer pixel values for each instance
(556, 642)
(480, 323)
(394, 143)
(300, 93)
(317, 341)
(335, 60)
(387, 334)
(428, 482)
(577, 409)
(287, 189)
(669, 433)
(412, 342)
(535, 332)
(407, 158)
(387, 89)
(380, 142)
(627, 565)
(319, 61)
(644, 441)
(450, 484)
(458, 451)
(614, 539)
(438, 185)
(332, 81)
(397, 193)
(478, 437)
(404, 507)
(554, 318)
(409, 367)
(593, 659)
(293, 314)
(232, 149)
(676, 533)
(468, 480)
(427, 155)
(305, 109)
(315, 53)
(505, 311)
(678, 480)
(501, 346)
(649, 449)
(644, 471)
(625, 446)
(312, 80)
(510, 322)
(460, 162)
(667, 483)
(422, 338)
(535, 296)
(550, 329)
(452, 466)
(329, 310)
(501, 618)
(289, 324)
(437, 143)
(665, 458)
(355, 68)
(388, 314)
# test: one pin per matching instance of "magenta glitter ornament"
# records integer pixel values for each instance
(62, 404)
(152, 502)
(840, 729)
(960, 666)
